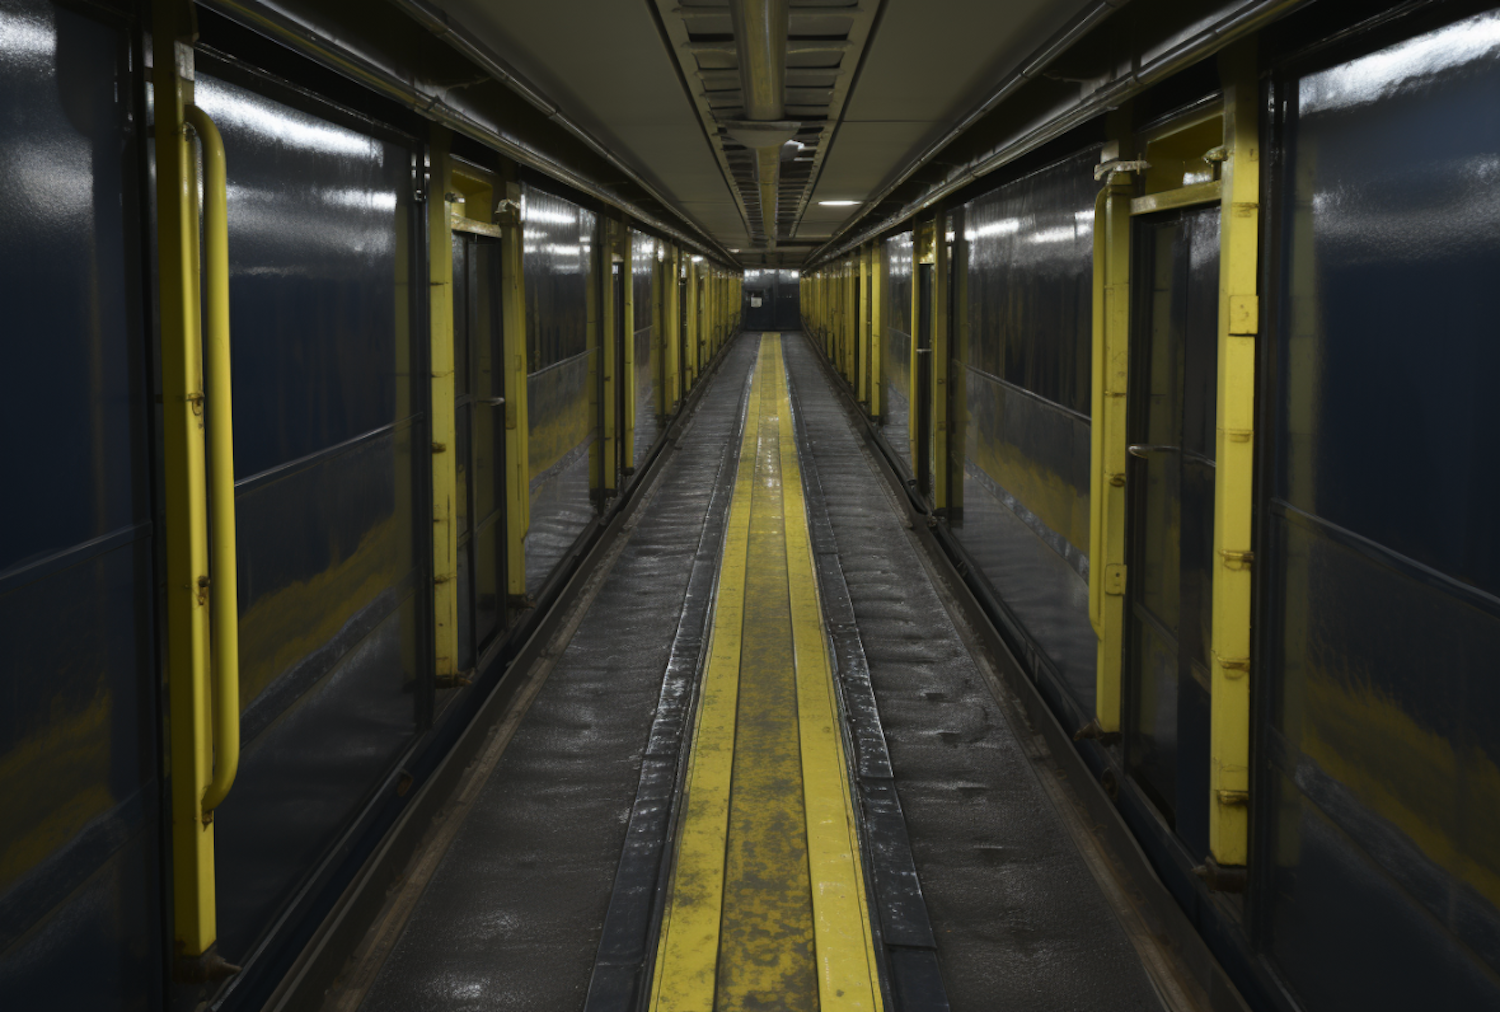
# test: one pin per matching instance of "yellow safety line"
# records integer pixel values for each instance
(767, 956)
(847, 974)
(688, 950)
(701, 904)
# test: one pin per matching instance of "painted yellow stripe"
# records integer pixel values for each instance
(847, 974)
(766, 954)
(688, 950)
(767, 905)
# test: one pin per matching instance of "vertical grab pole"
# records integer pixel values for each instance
(1096, 427)
(862, 325)
(224, 616)
(627, 367)
(185, 531)
(1111, 360)
(877, 330)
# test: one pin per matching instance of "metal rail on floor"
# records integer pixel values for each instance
(302, 988)
(1162, 915)
(767, 900)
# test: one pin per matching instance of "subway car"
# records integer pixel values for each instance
(733, 504)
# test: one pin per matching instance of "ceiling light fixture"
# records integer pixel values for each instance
(838, 203)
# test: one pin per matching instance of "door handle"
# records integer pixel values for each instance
(1144, 450)
(224, 618)
(493, 402)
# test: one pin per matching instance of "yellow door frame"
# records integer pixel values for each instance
(1110, 369)
(1234, 473)
(850, 306)
(938, 393)
(201, 652)
(606, 380)
(442, 399)
(517, 422)
(862, 326)
(923, 252)
(671, 274)
(690, 296)
(627, 368)
(877, 329)
(1237, 191)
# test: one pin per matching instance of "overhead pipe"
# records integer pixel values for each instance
(760, 40)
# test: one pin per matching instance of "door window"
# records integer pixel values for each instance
(1171, 428)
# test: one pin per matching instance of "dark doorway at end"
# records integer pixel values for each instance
(772, 300)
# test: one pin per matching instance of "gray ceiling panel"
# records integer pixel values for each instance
(871, 83)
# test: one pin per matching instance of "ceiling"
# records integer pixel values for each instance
(871, 84)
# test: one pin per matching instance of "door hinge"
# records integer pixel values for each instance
(1114, 579)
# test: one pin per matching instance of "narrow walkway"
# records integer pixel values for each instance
(766, 907)
(559, 883)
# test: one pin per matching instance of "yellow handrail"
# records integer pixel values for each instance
(1096, 427)
(223, 596)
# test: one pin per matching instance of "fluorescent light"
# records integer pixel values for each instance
(838, 203)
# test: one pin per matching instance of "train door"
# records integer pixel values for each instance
(1170, 426)
(81, 920)
(700, 317)
(620, 372)
(858, 355)
(760, 305)
(922, 406)
(330, 458)
(479, 408)
(684, 364)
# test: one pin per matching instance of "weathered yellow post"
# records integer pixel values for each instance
(517, 424)
(1111, 358)
(877, 329)
(606, 381)
(1239, 318)
(443, 426)
(938, 389)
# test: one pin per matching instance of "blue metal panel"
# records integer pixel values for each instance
(1382, 549)
(324, 429)
(80, 921)
(1022, 347)
(559, 263)
(1030, 281)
